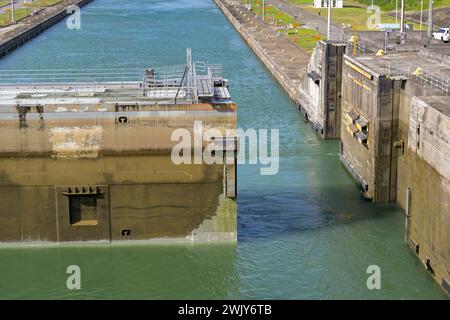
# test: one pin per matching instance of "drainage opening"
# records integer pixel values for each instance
(83, 210)
(126, 233)
(428, 266)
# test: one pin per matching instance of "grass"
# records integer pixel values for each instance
(4, 2)
(42, 3)
(281, 18)
(356, 17)
(271, 13)
(389, 5)
(304, 38)
(5, 18)
(20, 13)
(386, 5)
(304, 2)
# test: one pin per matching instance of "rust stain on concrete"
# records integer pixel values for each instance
(76, 142)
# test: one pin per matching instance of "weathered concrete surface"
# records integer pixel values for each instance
(322, 86)
(282, 58)
(370, 98)
(26, 29)
(405, 102)
(365, 100)
(93, 134)
(144, 194)
(372, 89)
(285, 61)
(85, 166)
(141, 189)
(424, 172)
(290, 65)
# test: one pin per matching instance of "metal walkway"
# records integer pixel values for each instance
(193, 82)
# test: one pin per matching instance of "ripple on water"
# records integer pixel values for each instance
(303, 233)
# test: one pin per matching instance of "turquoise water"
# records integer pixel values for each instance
(304, 233)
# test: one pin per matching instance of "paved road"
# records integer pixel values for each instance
(17, 4)
(309, 19)
(12, 31)
(372, 43)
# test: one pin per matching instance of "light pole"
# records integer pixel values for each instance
(396, 11)
(13, 18)
(329, 20)
(421, 14)
(430, 19)
(264, 10)
(402, 24)
(402, 18)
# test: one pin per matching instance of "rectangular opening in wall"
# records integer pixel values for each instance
(83, 204)
(83, 210)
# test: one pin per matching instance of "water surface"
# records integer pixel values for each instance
(304, 233)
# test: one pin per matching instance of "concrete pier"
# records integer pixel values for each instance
(424, 184)
(93, 161)
(281, 57)
(395, 129)
(293, 68)
(28, 28)
(321, 87)
(391, 112)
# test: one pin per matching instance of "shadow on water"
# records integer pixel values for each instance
(303, 233)
(267, 215)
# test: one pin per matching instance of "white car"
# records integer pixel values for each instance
(442, 34)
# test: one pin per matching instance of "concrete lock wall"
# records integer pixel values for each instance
(321, 88)
(369, 112)
(25, 31)
(317, 94)
(72, 177)
(424, 182)
(406, 155)
(366, 102)
(139, 198)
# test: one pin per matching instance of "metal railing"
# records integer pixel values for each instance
(60, 76)
(186, 82)
(360, 47)
(433, 81)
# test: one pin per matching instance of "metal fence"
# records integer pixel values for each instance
(60, 76)
(355, 48)
(433, 81)
(186, 82)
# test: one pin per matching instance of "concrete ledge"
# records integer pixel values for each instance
(29, 31)
(354, 173)
(283, 79)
